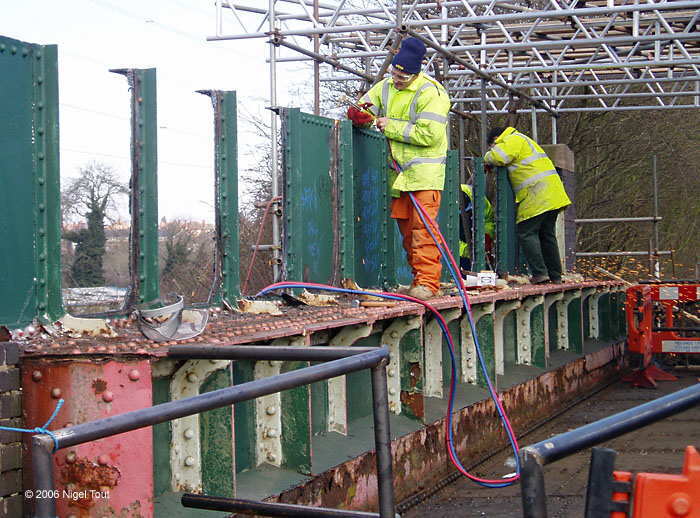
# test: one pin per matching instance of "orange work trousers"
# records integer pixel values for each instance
(422, 253)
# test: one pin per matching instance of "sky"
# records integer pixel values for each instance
(94, 36)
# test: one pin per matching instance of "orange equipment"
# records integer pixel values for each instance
(653, 312)
(657, 495)
(621, 494)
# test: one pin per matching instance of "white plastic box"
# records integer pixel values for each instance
(486, 278)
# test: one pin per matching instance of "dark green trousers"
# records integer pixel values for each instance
(538, 240)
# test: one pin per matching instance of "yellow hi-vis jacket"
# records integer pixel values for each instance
(489, 222)
(416, 131)
(536, 183)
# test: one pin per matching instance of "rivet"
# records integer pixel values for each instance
(2, 47)
(189, 433)
(271, 410)
(470, 379)
(25, 51)
(107, 396)
(271, 363)
(213, 362)
(271, 433)
(524, 347)
(36, 376)
(13, 49)
(56, 393)
(70, 458)
(189, 461)
(391, 373)
(103, 460)
(134, 375)
(192, 377)
(392, 391)
(177, 476)
(72, 516)
(394, 334)
(271, 457)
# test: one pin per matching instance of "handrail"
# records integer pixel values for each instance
(253, 508)
(264, 352)
(535, 456)
(376, 359)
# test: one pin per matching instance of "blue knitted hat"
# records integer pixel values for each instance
(410, 56)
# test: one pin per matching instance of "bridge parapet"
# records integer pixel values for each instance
(285, 437)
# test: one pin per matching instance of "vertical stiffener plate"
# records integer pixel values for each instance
(30, 281)
(226, 183)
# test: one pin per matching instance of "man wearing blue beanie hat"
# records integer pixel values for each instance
(411, 108)
(410, 56)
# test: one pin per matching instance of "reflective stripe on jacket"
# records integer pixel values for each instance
(536, 183)
(489, 222)
(417, 131)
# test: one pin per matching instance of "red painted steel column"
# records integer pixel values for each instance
(109, 476)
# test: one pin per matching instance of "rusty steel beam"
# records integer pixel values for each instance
(43, 445)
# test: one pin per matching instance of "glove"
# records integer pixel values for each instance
(360, 118)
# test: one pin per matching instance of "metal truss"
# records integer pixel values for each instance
(495, 56)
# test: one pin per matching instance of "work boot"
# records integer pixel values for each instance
(539, 279)
(421, 292)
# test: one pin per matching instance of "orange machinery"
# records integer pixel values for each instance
(642, 495)
(655, 317)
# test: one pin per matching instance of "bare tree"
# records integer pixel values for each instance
(91, 196)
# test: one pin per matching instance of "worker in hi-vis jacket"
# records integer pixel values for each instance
(539, 195)
(411, 109)
(465, 232)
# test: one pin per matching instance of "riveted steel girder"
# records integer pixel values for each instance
(145, 280)
(30, 271)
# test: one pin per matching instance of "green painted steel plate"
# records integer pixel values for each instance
(18, 267)
(311, 245)
(371, 208)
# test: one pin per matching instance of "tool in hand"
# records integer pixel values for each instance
(359, 114)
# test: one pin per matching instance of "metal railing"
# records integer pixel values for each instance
(536, 456)
(339, 361)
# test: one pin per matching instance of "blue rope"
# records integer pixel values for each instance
(40, 429)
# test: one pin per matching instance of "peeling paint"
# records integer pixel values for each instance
(82, 478)
(420, 459)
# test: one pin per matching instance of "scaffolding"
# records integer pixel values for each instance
(493, 56)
